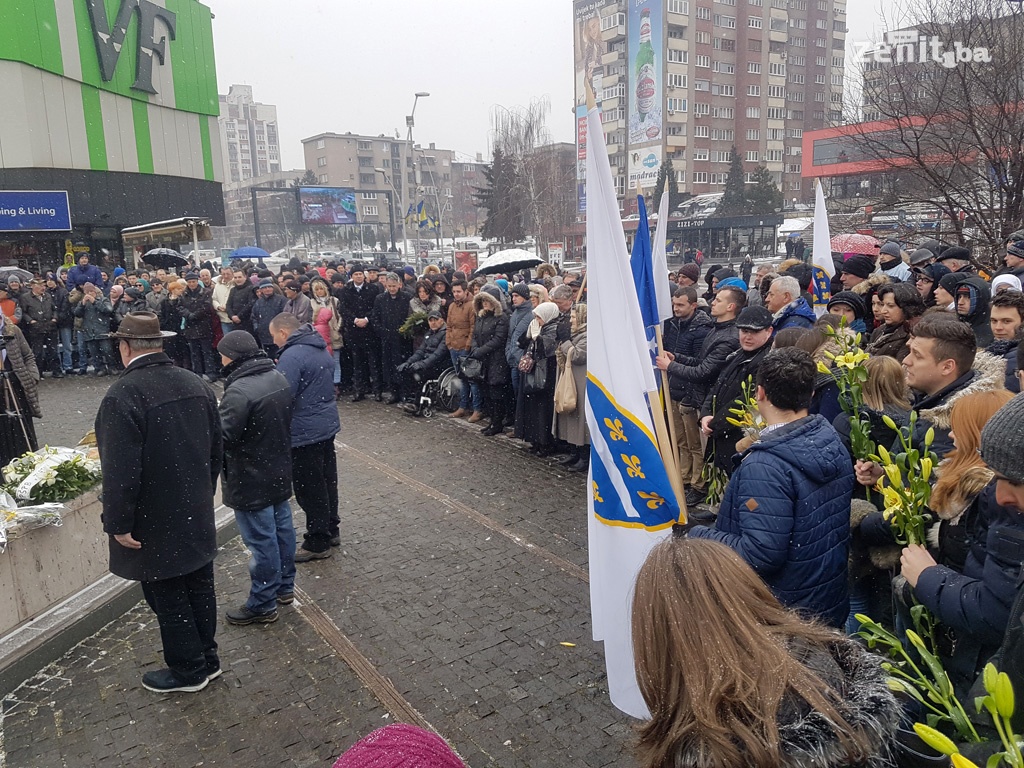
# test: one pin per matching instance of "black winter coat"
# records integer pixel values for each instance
(263, 311)
(62, 308)
(723, 395)
(432, 357)
(357, 304)
(240, 303)
(159, 439)
(197, 309)
(388, 314)
(684, 338)
(256, 417)
(695, 375)
(490, 332)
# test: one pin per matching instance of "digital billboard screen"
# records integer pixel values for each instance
(331, 206)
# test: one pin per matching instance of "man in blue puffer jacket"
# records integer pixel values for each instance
(786, 510)
(309, 367)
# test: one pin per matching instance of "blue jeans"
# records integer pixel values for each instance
(469, 388)
(515, 381)
(65, 348)
(82, 356)
(337, 366)
(270, 536)
(226, 328)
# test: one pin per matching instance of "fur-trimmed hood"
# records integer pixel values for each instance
(869, 286)
(484, 301)
(990, 374)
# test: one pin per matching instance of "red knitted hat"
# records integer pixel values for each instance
(400, 746)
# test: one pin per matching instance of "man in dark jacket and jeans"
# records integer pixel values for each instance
(158, 422)
(255, 417)
(697, 374)
(309, 367)
(786, 510)
(684, 336)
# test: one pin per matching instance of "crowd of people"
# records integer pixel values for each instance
(776, 571)
(800, 543)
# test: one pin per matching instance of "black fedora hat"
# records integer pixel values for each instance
(141, 325)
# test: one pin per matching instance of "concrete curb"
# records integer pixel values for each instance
(43, 640)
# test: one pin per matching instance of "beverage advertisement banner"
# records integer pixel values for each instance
(646, 67)
(589, 48)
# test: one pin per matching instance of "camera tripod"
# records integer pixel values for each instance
(11, 408)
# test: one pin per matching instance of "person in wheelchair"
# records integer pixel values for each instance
(427, 362)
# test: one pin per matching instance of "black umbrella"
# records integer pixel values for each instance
(165, 258)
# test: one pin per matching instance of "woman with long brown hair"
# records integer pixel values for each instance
(732, 678)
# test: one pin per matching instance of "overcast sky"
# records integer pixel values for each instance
(341, 65)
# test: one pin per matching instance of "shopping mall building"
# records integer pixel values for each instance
(109, 122)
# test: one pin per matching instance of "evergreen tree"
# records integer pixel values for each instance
(734, 199)
(308, 179)
(763, 195)
(504, 212)
(664, 172)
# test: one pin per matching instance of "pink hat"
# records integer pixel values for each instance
(400, 746)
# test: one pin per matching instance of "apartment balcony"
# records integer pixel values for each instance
(613, 58)
(676, 142)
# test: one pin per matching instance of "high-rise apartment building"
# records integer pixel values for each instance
(248, 135)
(691, 79)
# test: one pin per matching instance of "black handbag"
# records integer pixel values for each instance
(537, 379)
(472, 369)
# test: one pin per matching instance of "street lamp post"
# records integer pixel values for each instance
(391, 205)
(410, 122)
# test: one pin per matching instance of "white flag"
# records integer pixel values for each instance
(659, 259)
(631, 504)
(821, 250)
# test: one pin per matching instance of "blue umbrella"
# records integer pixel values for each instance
(250, 252)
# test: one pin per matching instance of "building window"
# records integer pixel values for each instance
(722, 134)
(753, 90)
(321, 162)
(754, 22)
(702, 85)
(776, 113)
(726, 22)
(704, 61)
(367, 178)
(753, 134)
(724, 66)
(751, 156)
(366, 162)
(777, 69)
(320, 143)
(677, 57)
(322, 178)
(700, 108)
(775, 134)
(796, 78)
(364, 145)
(679, 6)
(369, 210)
(676, 105)
(701, 131)
(777, 91)
(674, 81)
(723, 90)
(702, 38)
(700, 154)
(754, 68)
(753, 112)
(613, 20)
(704, 13)
(700, 177)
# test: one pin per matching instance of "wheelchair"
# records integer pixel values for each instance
(443, 391)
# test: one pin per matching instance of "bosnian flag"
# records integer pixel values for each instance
(821, 248)
(631, 504)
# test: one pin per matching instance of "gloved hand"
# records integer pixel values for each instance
(401, 367)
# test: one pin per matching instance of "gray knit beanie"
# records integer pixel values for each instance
(1002, 441)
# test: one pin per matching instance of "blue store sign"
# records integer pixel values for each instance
(34, 212)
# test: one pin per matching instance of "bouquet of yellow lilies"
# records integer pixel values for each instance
(908, 492)
(747, 416)
(850, 374)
